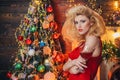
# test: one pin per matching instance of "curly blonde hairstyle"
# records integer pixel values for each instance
(69, 31)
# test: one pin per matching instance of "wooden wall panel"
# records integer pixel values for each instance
(11, 13)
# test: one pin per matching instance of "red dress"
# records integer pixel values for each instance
(92, 66)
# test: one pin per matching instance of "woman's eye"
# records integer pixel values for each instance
(82, 21)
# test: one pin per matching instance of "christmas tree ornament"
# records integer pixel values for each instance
(49, 76)
(56, 35)
(36, 20)
(46, 50)
(41, 68)
(42, 43)
(28, 41)
(18, 66)
(36, 77)
(53, 25)
(31, 52)
(36, 34)
(59, 57)
(20, 38)
(9, 74)
(47, 62)
(36, 42)
(45, 24)
(49, 9)
(50, 17)
(33, 28)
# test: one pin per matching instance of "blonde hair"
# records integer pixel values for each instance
(69, 31)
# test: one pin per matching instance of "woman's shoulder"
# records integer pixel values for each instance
(92, 39)
(94, 43)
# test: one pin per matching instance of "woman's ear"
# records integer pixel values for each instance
(91, 23)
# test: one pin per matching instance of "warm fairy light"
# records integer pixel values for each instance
(70, 1)
(37, 2)
(116, 34)
(116, 4)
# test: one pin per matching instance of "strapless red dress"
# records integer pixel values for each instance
(92, 65)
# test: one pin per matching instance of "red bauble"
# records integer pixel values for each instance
(9, 74)
(56, 35)
(28, 41)
(60, 57)
(49, 8)
(53, 25)
(20, 38)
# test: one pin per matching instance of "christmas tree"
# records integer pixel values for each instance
(39, 53)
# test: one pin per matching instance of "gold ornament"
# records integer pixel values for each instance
(49, 76)
(36, 42)
(36, 20)
(45, 24)
(36, 77)
(50, 17)
(46, 50)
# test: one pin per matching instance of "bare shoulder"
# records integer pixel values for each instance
(90, 43)
(95, 43)
(93, 40)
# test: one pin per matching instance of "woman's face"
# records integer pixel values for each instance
(82, 24)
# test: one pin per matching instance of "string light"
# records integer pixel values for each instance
(116, 4)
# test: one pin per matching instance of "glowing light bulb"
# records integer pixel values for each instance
(116, 34)
(116, 4)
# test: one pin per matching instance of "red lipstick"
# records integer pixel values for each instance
(80, 30)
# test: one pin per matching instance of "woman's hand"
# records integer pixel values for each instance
(74, 70)
(80, 63)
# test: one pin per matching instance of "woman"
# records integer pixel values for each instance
(84, 26)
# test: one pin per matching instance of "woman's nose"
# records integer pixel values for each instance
(79, 26)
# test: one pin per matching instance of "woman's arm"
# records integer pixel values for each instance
(67, 65)
(79, 62)
(78, 69)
